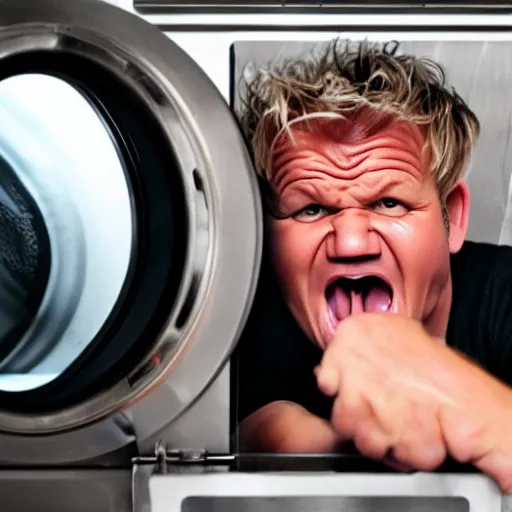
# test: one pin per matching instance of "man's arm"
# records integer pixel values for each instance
(274, 381)
(285, 427)
(400, 391)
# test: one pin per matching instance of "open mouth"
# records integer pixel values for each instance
(349, 295)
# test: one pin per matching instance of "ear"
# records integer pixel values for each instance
(457, 208)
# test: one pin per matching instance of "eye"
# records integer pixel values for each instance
(311, 213)
(389, 202)
(390, 206)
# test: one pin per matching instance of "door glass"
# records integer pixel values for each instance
(65, 228)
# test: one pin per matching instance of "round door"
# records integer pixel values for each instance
(130, 232)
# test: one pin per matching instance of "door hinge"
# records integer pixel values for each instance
(163, 458)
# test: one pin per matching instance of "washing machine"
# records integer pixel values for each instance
(130, 246)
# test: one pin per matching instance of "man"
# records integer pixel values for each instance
(362, 155)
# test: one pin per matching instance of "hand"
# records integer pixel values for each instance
(404, 394)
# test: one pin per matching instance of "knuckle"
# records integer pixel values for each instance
(348, 412)
(421, 457)
(371, 442)
(431, 459)
(466, 436)
(327, 379)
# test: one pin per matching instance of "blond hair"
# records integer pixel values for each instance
(344, 81)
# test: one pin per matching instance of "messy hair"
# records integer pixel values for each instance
(345, 80)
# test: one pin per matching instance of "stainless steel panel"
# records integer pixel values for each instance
(324, 6)
(507, 504)
(177, 493)
(204, 426)
(66, 491)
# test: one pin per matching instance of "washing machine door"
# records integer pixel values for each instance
(129, 228)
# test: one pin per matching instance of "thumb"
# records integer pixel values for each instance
(327, 378)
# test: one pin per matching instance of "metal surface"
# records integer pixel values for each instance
(176, 493)
(203, 426)
(140, 487)
(221, 199)
(194, 32)
(72, 490)
(324, 6)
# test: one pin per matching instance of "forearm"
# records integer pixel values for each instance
(284, 427)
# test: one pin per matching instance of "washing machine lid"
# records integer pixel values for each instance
(130, 229)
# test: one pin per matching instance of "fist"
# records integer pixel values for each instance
(404, 397)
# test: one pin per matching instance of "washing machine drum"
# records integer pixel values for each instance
(127, 206)
(25, 259)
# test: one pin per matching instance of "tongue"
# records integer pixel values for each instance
(377, 300)
(340, 303)
(343, 304)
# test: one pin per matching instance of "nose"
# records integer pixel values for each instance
(352, 236)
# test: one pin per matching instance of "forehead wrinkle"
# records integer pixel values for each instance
(374, 184)
(332, 154)
(389, 138)
(309, 160)
(380, 176)
(286, 165)
(385, 144)
(335, 152)
(369, 185)
(347, 161)
(377, 160)
(294, 176)
(398, 165)
(312, 187)
(339, 155)
(281, 155)
(378, 150)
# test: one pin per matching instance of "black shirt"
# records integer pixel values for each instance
(275, 359)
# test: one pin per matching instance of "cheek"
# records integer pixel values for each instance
(419, 242)
(293, 247)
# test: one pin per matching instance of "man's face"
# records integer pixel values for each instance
(363, 229)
